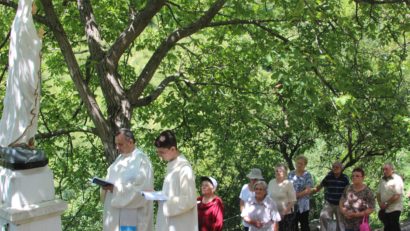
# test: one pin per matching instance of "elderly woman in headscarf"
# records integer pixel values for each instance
(260, 211)
(210, 206)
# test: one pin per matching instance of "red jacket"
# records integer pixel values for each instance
(210, 215)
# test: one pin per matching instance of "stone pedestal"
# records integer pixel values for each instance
(27, 200)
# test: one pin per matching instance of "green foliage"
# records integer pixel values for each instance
(273, 80)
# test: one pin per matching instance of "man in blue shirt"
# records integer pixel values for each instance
(334, 184)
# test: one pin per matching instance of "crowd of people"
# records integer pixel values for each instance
(282, 204)
(347, 205)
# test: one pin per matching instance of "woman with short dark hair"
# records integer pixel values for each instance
(357, 201)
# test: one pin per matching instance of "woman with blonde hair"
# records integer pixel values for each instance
(281, 190)
(302, 182)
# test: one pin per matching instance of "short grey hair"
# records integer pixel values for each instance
(390, 165)
(262, 183)
(127, 133)
(338, 163)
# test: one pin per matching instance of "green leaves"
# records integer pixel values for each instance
(264, 82)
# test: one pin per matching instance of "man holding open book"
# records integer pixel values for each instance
(178, 212)
(124, 206)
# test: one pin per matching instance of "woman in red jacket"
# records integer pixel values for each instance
(210, 206)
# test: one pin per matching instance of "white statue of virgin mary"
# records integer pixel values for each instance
(18, 124)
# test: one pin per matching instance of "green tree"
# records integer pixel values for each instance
(244, 83)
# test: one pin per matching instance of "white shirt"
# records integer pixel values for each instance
(179, 212)
(245, 195)
(389, 188)
(265, 211)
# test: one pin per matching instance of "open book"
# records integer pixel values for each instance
(154, 196)
(100, 182)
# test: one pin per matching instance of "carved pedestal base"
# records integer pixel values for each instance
(27, 200)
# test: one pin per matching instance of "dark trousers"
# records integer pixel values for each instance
(303, 220)
(287, 223)
(391, 221)
(245, 228)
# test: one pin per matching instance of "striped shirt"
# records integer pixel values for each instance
(334, 187)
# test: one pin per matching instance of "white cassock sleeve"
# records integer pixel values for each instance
(128, 195)
(185, 200)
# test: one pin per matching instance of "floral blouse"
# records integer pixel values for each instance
(357, 202)
(300, 183)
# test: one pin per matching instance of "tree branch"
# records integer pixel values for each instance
(3, 73)
(157, 92)
(134, 30)
(37, 18)
(173, 15)
(118, 105)
(323, 80)
(6, 39)
(373, 2)
(63, 132)
(147, 73)
(74, 69)
(91, 28)
(8, 3)
(257, 23)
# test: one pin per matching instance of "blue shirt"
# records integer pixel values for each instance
(300, 183)
(334, 187)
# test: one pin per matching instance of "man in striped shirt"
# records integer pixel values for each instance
(334, 184)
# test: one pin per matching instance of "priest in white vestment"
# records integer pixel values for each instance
(179, 212)
(130, 173)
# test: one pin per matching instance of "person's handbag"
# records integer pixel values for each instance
(364, 226)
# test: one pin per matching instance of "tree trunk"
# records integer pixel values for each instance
(119, 119)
